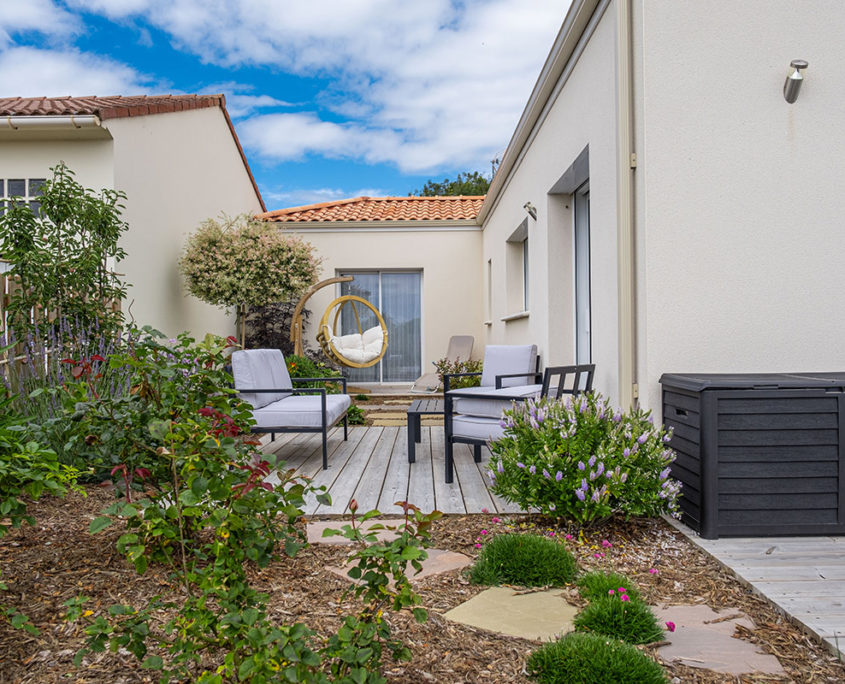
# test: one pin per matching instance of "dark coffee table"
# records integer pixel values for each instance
(418, 408)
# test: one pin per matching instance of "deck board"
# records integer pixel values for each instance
(372, 467)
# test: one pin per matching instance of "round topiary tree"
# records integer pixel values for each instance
(244, 262)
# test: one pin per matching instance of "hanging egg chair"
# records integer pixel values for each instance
(360, 349)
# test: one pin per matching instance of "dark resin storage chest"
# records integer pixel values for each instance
(758, 454)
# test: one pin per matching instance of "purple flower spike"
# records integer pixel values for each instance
(592, 461)
(533, 470)
(580, 494)
(546, 474)
(643, 438)
(520, 464)
(500, 467)
(627, 452)
(558, 476)
(581, 466)
(617, 417)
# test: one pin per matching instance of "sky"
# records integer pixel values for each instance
(330, 98)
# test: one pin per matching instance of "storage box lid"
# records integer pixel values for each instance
(697, 382)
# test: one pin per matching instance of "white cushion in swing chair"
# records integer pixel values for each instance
(359, 348)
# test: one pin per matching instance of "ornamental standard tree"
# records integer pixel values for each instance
(244, 262)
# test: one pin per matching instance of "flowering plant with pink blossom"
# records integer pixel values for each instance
(578, 458)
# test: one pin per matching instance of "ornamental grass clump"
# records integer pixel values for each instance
(524, 559)
(592, 659)
(619, 616)
(576, 458)
(596, 585)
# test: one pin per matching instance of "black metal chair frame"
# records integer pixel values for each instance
(561, 372)
(324, 428)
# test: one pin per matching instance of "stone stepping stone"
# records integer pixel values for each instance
(437, 563)
(388, 414)
(698, 641)
(389, 422)
(537, 616)
(314, 531)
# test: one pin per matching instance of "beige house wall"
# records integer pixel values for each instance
(452, 280)
(91, 159)
(740, 201)
(177, 169)
(581, 114)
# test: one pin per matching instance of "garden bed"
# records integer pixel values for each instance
(58, 559)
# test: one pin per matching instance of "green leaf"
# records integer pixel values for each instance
(410, 553)
(188, 498)
(99, 524)
(325, 499)
(153, 662)
(420, 615)
(247, 666)
(199, 486)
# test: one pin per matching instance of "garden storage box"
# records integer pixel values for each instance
(758, 454)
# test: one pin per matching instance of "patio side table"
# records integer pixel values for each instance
(418, 408)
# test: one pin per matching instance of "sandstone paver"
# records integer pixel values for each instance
(700, 641)
(538, 616)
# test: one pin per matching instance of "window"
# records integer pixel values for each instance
(525, 274)
(27, 189)
(517, 270)
(398, 296)
(489, 318)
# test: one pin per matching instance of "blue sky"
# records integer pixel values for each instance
(330, 98)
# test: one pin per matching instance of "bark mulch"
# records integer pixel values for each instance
(57, 559)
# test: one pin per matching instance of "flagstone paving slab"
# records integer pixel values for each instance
(538, 616)
(314, 531)
(438, 562)
(703, 638)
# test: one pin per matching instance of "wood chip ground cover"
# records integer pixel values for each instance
(57, 559)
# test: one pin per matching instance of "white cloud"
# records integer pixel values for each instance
(240, 100)
(30, 72)
(297, 197)
(41, 16)
(417, 84)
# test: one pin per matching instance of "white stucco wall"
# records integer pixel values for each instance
(177, 169)
(23, 155)
(452, 278)
(740, 202)
(584, 113)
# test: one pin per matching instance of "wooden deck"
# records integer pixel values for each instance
(372, 468)
(803, 576)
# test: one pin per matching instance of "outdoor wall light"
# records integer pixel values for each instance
(531, 209)
(793, 82)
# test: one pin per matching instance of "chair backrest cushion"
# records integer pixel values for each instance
(460, 347)
(261, 369)
(504, 359)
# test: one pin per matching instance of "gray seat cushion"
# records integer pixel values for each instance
(505, 359)
(491, 403)
(474, 427)
(302, 411)
(261, 369)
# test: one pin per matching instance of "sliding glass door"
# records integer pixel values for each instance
(397, 295)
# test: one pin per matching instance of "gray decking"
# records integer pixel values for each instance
(372, 468)
(803, 576)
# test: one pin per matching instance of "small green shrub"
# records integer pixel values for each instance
(361, 397)
(304, 367)
(355, 415)
(619, 617)
(446, 367)
(576, 458)
(592, 659)
(523, 559)
(597, 585)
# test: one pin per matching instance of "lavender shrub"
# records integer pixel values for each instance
(579, 459)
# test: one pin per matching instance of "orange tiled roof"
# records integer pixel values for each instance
(107, 107)
(443, 208)
(118, 106)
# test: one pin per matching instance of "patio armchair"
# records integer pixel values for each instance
(475, 417)
(262, 379)
(505, 367)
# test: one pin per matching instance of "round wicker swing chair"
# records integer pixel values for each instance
(356, 350)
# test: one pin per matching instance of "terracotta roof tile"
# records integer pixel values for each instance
(119, 106)
(445, 208)
(107, 107)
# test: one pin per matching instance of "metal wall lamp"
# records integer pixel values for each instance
(531, 209)
(794, 80)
